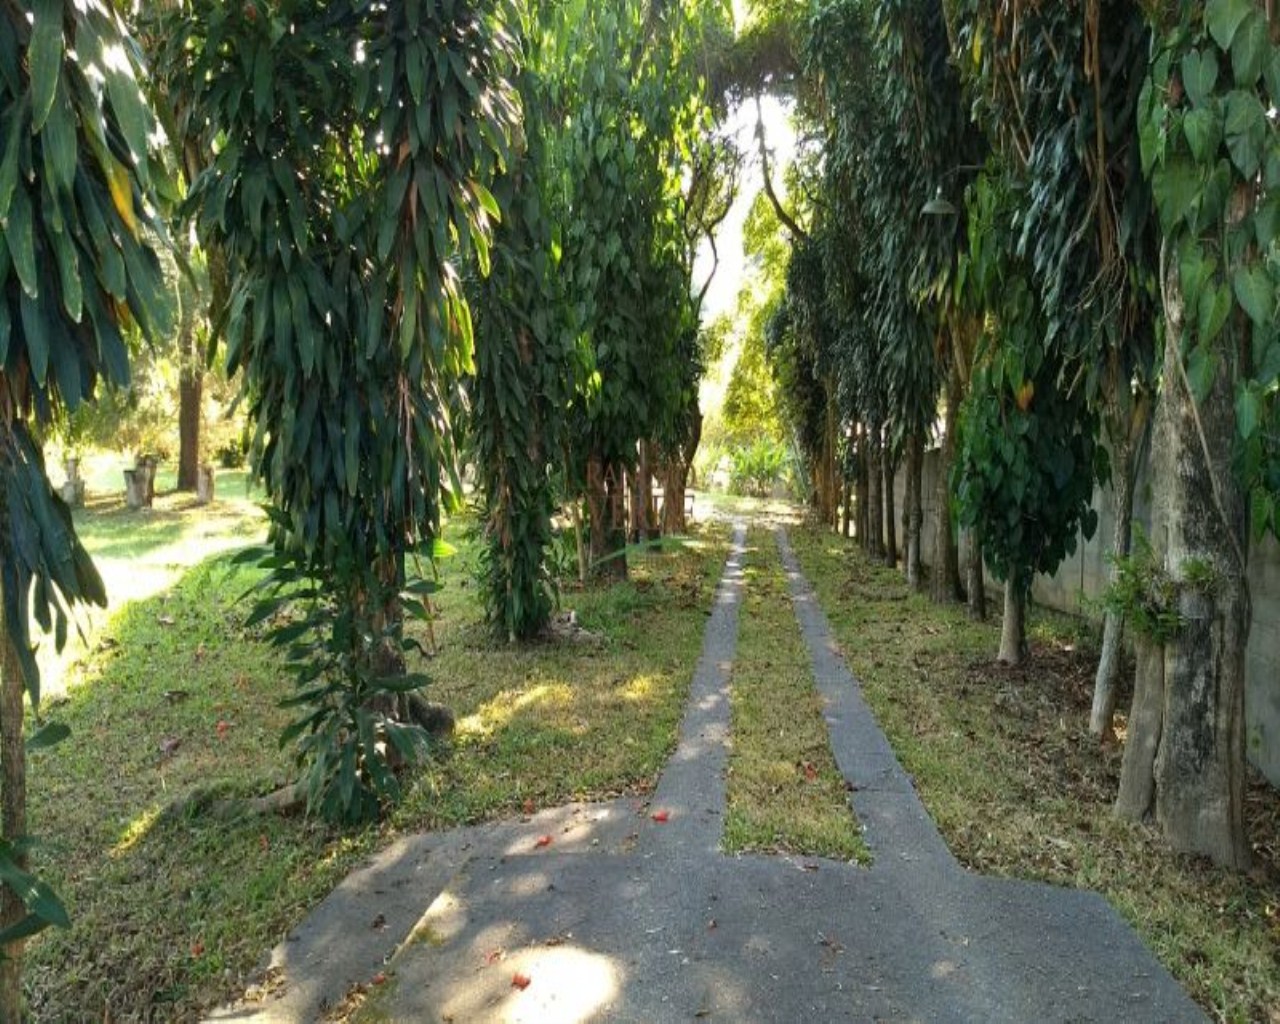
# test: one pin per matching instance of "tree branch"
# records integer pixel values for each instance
(715, 265)
(797, 232)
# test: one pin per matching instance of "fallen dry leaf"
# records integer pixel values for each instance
(222, 728)
(527, 806)
(494, 955)
(379, 978)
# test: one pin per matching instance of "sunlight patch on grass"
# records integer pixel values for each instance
(546, 701)
(639, 690)
(135, 831)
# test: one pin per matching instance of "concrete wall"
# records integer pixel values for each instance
(1081, 579)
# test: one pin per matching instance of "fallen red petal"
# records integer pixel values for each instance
(520, 981)
(197, 948)
(543, 841)
(379, 978)
(661, 817)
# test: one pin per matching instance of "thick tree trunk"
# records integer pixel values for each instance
(946, 557)
(643, 517)
(1013, 631)
(190, 393)
(875, 497)
(1200, 537)
(890, 509)
(675, 483)
(13, 817)
(976, 587)
(1138, 771)
(607, 542)
(915, 510)
(1106, 681)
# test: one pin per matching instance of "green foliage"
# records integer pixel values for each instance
(43, 906)
(750, 402)
(1143, 592)
(1027, 459)
(525, 370)
(76, 270)
(1026, 471)
(348, 734)
(343, 192)
(1213, 157)
(758, 468)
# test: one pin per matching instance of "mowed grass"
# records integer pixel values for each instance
(142, 553)
(1003, 760)
(172, 913)
(785, 793)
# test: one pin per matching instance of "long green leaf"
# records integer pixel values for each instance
(44, 58)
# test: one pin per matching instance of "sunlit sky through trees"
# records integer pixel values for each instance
(780, 136)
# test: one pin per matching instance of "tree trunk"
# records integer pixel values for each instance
(890, 509)
(642, 512)
(846, 513)
(976, 586)
(915, 510)
(1013, 631)
(575, 511)
(875, 497)
(607, 542)
(1106, 681)
(862, 518)
(946, 557)
(190, 393)
(1137, 773)
(834, 475)
(13, 818)
(676, 477)
(1200, 537)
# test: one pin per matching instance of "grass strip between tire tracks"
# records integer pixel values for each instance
(785, 793)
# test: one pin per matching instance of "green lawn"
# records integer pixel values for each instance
(171, 913)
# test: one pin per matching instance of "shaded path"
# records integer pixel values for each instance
(624, 918)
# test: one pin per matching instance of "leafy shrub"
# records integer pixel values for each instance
(758, 468)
